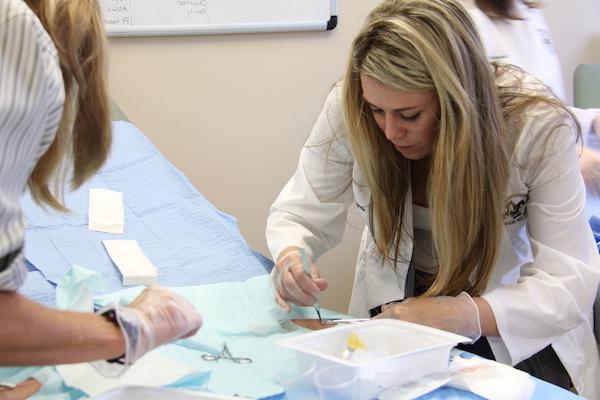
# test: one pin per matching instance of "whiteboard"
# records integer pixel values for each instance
(189, 17)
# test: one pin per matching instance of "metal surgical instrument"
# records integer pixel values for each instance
(335, 321)
(226, 355)
(306, 266)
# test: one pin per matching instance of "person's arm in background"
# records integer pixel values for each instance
(310, 212)
(589, 159)
(527, 43)
(589, 120)
(589, 164)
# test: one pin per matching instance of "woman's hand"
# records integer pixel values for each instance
(160, 317)
(23, 390)
(457, 314)
(293, 283)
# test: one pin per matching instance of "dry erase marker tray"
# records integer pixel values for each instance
(135, 392)
(395, 351)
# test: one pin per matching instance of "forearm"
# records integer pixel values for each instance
(587, 120)
(35, 335)
(486, 317)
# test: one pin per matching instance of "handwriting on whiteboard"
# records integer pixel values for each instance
(117, 12)
(154, 12)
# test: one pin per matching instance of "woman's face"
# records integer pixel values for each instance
(408, 119)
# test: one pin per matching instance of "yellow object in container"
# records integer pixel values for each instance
(353, 343)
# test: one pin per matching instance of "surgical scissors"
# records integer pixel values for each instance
(335, 321)
(226, 355)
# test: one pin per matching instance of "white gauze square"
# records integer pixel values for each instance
(105, 212)
(131, 261)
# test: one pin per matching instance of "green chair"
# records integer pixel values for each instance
(586, 91)
(116, 114)
(586, 86)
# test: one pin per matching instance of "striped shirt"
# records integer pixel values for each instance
(31, 101)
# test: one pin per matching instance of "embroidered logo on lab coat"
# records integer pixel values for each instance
(515, 209)
(362, 208)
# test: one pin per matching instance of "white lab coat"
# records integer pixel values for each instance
(527, 43)
(544, 283)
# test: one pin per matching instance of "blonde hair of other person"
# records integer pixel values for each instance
(84, 134)
(423, 45)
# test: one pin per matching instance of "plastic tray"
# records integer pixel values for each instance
(134, 392)
(411, 351)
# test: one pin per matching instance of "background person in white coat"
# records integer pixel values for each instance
(516, 32)
(467, 178)
(54, 112)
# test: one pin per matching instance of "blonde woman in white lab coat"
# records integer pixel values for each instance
(516, 32)
(467, 178)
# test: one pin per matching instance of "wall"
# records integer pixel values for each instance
(576, 37)
(232, 112)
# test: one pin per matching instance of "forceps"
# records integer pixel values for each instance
(325, 321)
(226, 355)
(306, 266)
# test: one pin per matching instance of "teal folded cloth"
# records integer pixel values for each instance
(242, 315)
(245, 316)
(76, 289)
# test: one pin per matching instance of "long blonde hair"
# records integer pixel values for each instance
(423, 45)
(84, 134)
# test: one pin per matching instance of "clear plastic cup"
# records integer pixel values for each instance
(337, 383)
(296, 377)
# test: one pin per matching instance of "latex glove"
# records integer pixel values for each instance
(23, 390)
(589, 163)
(157, 316)
(292, 283)
(453, 314)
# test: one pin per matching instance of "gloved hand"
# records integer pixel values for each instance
(157, 316)
(291, 281)
(453, 314)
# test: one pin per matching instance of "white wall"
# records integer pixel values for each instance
(232, 112)
(575, 25)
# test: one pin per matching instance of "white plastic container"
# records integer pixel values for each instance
(136, 392)
(396, 352)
